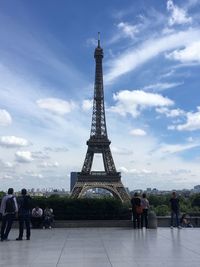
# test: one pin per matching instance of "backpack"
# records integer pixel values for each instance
(139, 209)
(10, 205)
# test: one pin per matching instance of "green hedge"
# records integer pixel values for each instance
(84, 209)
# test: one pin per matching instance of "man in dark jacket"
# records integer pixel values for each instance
(174, 205)
(24, 213)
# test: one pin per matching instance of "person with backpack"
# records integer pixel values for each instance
(8, 209)
(24, 214)
(136, 210)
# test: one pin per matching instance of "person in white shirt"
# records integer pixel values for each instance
(37, 217)
(8, 209)
(145, 207)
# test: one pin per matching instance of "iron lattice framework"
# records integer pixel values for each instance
(98, 142)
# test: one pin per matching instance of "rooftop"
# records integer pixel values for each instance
(103, 247)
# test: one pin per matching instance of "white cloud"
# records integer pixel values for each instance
(178, 15)
(23, 156)
(128, 29)
(56, 149)
(157, 87)
(40, 155)
(134, 57)
(133, 102)
(138, 132)
(192, 123)
(189, 54)
(121, 151)
(56, 105)
(87, 104)
(134, 171)
(13, 141)
(45, 164)
(34, 174)
(170, 113)
(5, 118)
(175, 148)
(91, 42)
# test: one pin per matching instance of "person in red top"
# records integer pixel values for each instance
(136, 210)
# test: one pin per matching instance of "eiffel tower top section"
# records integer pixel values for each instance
(98, 129)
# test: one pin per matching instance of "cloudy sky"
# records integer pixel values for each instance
(151, 83)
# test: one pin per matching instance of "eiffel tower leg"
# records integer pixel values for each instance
(117, 189)
(124, 196)
(76, 192)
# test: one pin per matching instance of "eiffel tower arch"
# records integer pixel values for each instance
(99, 143)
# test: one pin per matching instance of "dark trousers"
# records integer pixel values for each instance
(174, 212)
(144, 218)
(47, 221)
(136, 220)
(24, 219)
(7, 221)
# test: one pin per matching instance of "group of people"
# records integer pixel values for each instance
(21, 208)
(140, 207)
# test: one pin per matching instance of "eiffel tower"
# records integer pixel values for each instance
(99, 143)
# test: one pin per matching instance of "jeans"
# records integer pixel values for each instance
(136, 219)
(24, 219)
(174, 212)
(7, 221)
(144, 218)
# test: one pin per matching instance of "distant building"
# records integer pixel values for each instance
(73, 178)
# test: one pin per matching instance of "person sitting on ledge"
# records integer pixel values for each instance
(185, 222)
(48, 218)
(37, 217)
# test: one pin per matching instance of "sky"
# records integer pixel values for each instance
(151, 84)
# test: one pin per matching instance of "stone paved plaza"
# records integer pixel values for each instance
(103, 247)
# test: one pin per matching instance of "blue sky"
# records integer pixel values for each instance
(151, 83)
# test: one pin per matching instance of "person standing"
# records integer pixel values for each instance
(174, 205)
(136, 210)
(24, 214)
(8, 209)
(145, 208)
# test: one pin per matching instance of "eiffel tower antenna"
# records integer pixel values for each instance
(99, 143)
(98, 39)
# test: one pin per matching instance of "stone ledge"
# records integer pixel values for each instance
(163, 221)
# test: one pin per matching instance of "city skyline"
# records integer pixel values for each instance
(151, 78)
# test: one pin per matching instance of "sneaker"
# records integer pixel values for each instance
(179, 227)
(18, 239)
(28, 238)
(171, 227)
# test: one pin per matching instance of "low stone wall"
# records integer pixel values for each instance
(163, 221)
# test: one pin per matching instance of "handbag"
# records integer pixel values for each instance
(139, 209)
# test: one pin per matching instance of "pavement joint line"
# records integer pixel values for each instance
(180, 244)
(106, 251)
(65, 242)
